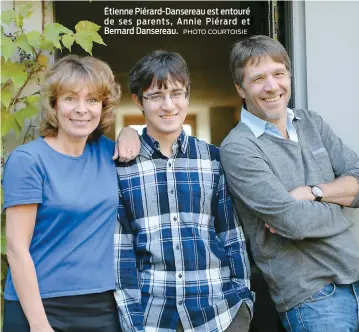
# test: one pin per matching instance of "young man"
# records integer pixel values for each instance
(290, 176)
(181, 260)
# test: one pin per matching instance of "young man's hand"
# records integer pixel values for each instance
(127, 145)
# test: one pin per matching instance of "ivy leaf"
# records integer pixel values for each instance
(33, 100)
(68, 40)
(8, 16)
(6, 122)
(4, 77)
(84, 40)
(15, 125)
(25, 10)
(19, 20)
(27, 112)
(52, 33)
(42, 60)
(8, 47)
(7, 92)
(97, 38)
(86, 25)
(23, 43)
(33, 37)
(14, 71)
(45, 45)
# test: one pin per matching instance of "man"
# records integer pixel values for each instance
(181, 260)
(290, 176)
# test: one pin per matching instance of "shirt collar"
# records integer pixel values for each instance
(152, 145)
(257, 125)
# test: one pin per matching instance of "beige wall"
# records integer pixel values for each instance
(332, 67)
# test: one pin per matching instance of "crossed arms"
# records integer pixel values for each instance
(294, 214)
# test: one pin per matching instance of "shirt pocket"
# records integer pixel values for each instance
(322, 160)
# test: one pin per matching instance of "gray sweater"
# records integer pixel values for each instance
(313, 245)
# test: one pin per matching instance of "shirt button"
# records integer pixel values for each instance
(180, 302)
(169, 164)
(177, 247)
(172, 191)
(174, 218)
(180, 275)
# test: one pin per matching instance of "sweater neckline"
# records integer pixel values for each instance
(282, 140)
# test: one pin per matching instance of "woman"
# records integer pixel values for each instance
(61, 200)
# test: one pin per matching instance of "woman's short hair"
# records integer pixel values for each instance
(65, 76)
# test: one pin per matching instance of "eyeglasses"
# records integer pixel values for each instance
(175, 96)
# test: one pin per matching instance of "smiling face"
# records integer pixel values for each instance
(78, 113)
(266, 89)
(165, 109)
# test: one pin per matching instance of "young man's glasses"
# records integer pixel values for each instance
(175, 96)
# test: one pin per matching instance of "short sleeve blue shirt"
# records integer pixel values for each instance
(72, 244)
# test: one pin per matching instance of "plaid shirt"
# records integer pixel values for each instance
(179, 250)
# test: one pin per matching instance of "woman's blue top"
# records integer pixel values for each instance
(77, 197)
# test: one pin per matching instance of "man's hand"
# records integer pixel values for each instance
(302, 194)
(271, 229)
(127, 145)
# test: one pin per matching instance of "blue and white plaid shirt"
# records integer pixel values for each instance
(179, 250)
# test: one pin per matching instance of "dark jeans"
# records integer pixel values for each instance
(90, 313)
(240, 323)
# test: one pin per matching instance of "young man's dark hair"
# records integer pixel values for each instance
(159, 67)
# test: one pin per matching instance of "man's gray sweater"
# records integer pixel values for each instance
(313, 244)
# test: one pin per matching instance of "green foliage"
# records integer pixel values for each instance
(13, 72)
(7, 92)
(86, 34)
(24, 59)
(8, 47)
(8, 16)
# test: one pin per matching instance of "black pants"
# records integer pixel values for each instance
(80, 313)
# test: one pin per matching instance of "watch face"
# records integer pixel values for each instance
(317, 192)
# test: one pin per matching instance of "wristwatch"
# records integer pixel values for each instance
(317, 192)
